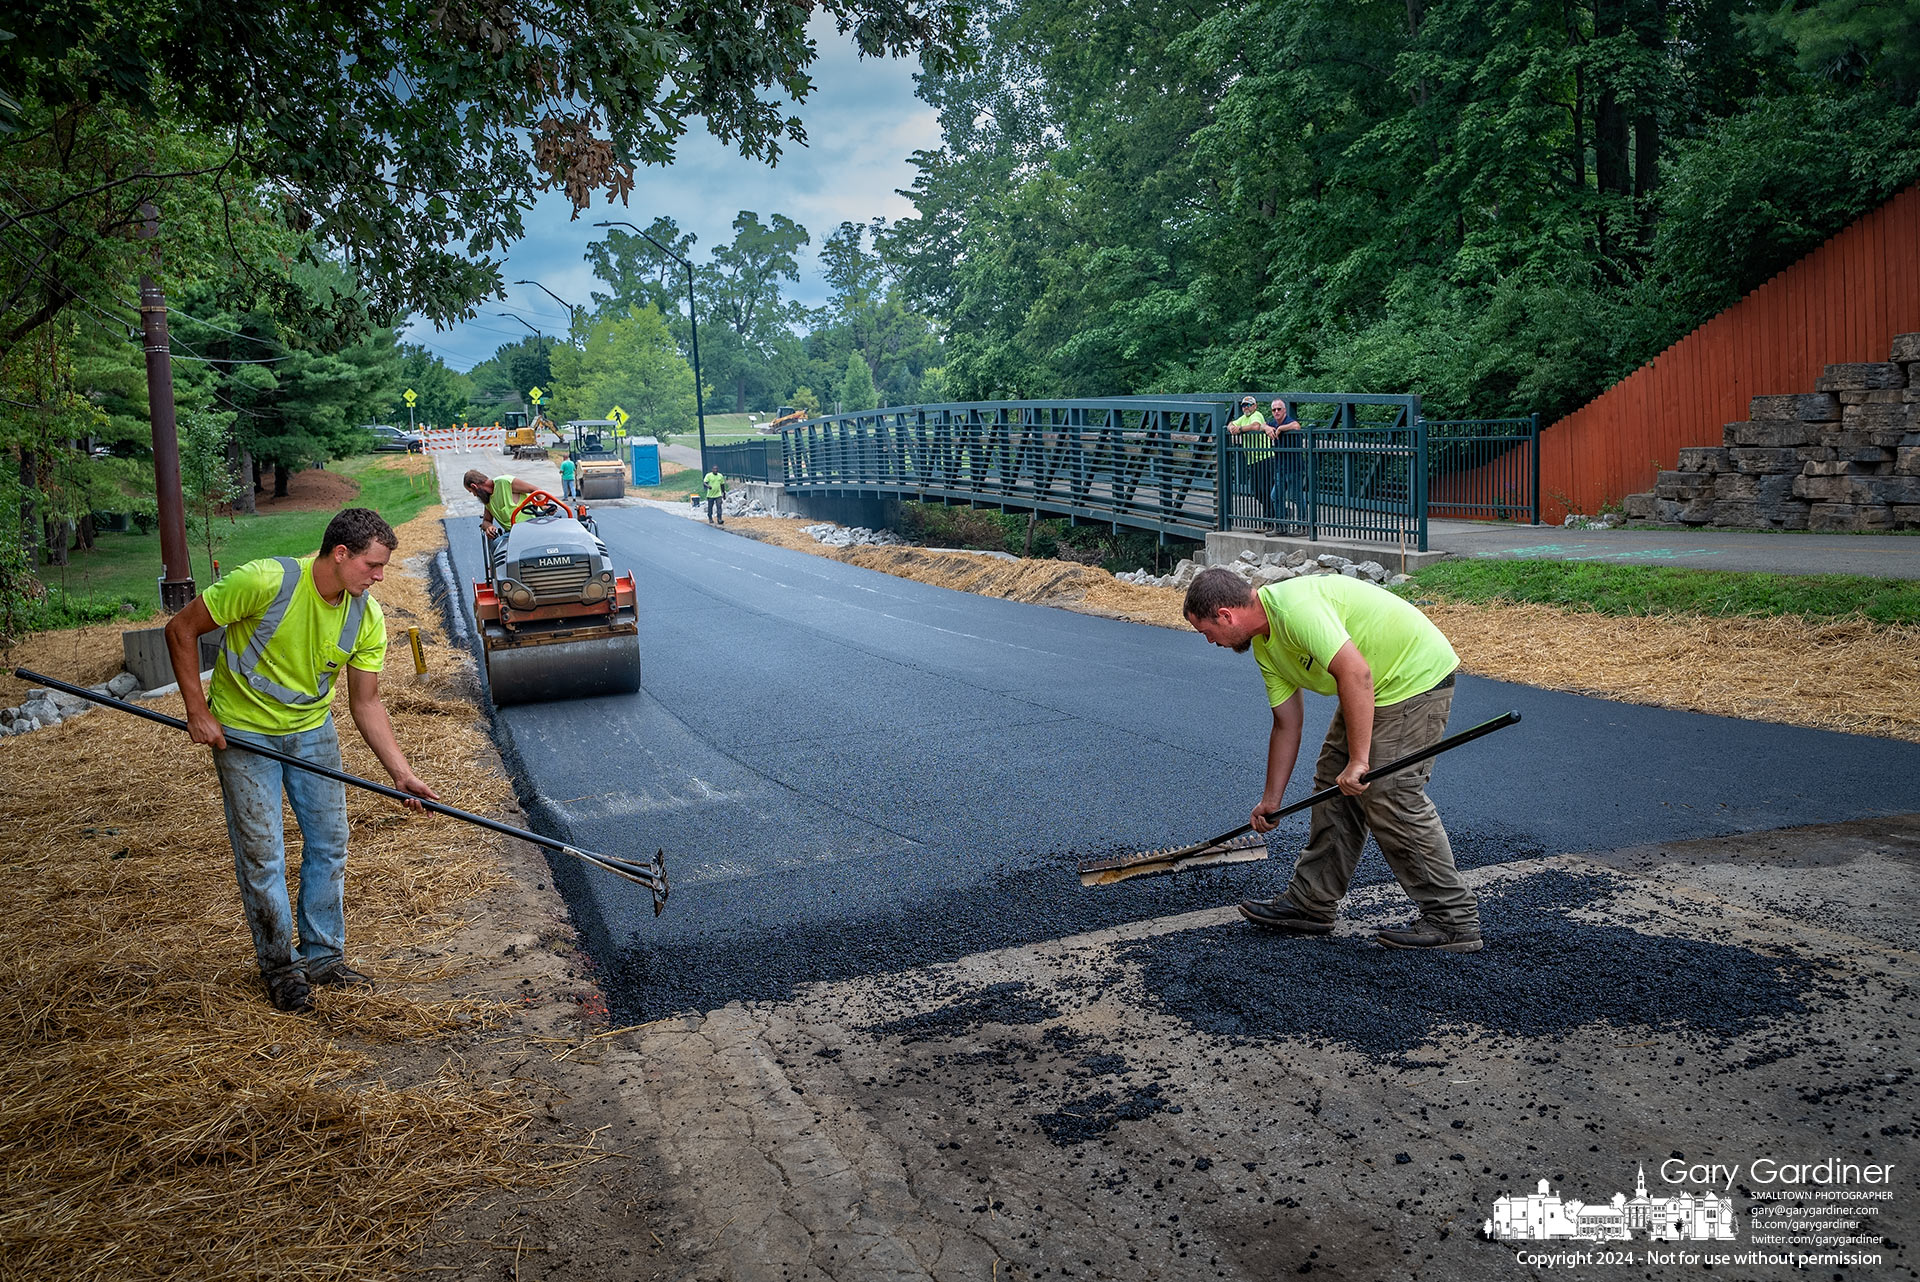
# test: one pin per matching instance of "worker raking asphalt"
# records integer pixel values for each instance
(854, 774)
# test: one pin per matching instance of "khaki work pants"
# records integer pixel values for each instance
(1395, 809)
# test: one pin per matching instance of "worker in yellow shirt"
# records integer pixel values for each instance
(1392, 671)
(1252, 439)
(713, 487)
(293, 625)
(498, 495)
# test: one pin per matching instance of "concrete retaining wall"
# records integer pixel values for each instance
(873, 511)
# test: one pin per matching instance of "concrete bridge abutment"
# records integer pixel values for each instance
(874, 511)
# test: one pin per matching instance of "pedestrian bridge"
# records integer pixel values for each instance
(1359, 471)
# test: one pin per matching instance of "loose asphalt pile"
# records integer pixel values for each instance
(1545, 972)
(1034, 895)
(1564, 957)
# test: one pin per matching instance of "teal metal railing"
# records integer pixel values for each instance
(748, 460)
(1484, 469)
(1354, 468)
(1145, 462)
(1357, 469)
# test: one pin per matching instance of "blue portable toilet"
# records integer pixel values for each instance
(646, 460)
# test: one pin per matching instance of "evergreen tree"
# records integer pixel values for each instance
(856, 391)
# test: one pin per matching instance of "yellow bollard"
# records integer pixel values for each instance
(419, 657)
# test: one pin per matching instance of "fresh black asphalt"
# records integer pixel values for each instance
(854, 773)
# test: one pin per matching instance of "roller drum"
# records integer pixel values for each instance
(575, 669)
(609, 483)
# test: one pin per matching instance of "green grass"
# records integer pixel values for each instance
(118, 579)
(1661, 590)
(674, 487)
(727, 427)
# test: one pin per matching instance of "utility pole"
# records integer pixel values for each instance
(176, 578)
(693, 323)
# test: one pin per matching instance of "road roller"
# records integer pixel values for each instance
(599, 473)
(556, 621)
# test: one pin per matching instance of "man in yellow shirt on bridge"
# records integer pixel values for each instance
(1252, 438)
(1392, 671)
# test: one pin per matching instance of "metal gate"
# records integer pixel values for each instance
(1484, 469)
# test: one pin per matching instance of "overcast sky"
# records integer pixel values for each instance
(862, 122)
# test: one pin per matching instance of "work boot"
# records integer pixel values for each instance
(1427, 933)
(340, 975)
(1279, 913)
(290, 993)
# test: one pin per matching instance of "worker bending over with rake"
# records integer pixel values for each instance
(1392, 671)
(292, 625)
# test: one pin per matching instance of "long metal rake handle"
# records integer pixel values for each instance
(1093, 868)
(652, 875)
(1485, 728)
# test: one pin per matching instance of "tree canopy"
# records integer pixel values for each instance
(1502, 206)
(408, 138)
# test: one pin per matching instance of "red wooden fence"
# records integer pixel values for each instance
(1843, 302)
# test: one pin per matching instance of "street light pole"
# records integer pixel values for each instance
(573, 313)
(693, 322)
(538, 337)
(536, 333)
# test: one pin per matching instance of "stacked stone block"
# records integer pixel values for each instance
(1844, 457)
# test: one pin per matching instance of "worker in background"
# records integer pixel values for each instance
(566, 478)
(498, 495)
(1254, 439)
(292, 625)
(713, 486)
(1392, 671)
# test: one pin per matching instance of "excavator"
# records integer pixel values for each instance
(522, 437)
(556, 620)
(786, 417)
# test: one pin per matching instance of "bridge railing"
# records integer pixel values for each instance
(1357, 469)
(754, 460)
(1146, 462)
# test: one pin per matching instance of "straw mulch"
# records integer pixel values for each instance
(84, 656)
(1848, 675)
(160, 1118)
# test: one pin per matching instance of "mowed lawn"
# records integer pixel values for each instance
(1650, 591)
(119, 579)
(728, 427)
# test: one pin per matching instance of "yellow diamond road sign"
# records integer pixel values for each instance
(534, 394)
(619, 416)
(412, 396)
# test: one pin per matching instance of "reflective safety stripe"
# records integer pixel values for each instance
(245, 665)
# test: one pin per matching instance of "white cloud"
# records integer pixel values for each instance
(862, 124)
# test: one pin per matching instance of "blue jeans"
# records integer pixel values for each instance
(250, 788)
(566, 487)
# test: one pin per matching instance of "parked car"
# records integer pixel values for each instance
(392, 440)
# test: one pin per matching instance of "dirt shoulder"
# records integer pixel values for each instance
(162, 1120)
(1850, 675)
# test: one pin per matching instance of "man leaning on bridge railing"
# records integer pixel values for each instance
(1254, 438)
(1289, 490)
